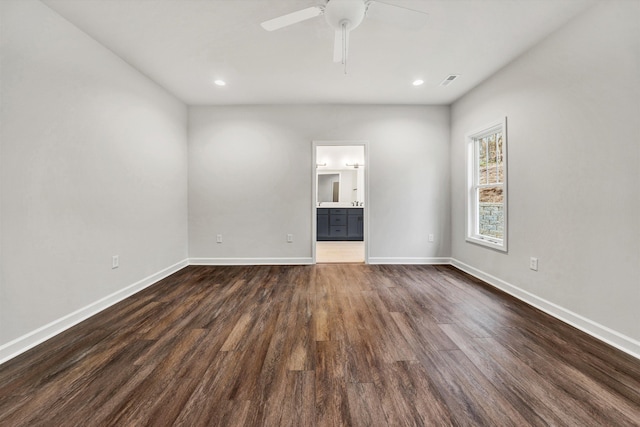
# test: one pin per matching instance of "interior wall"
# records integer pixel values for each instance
(93, 164)
(250, 177)
(573, 104)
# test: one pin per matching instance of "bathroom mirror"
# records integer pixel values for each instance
(338, 187)
(339, 175)
(328, 187)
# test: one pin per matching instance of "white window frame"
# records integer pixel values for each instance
(472, 226)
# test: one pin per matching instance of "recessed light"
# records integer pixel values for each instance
(418, 82)
(220, 82)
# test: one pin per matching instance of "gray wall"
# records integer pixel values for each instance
(250, 171)
(93, 164)
(573, 108)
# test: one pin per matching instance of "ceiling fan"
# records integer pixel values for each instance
(346, 15)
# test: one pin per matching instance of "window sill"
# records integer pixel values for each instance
(498, 246)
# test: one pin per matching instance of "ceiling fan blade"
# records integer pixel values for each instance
(292, 18)
(338, 44)
(396, 15)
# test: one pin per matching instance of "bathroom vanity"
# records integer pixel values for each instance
(336, 224)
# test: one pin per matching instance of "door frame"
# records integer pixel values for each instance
(314, 191)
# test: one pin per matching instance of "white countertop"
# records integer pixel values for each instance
(337, 205)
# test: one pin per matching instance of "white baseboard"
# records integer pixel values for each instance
(251, 261)
(408, 260)
(602, 333)
(33, 338)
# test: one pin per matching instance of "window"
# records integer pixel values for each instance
(487, 186)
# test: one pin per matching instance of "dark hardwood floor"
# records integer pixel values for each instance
(321, 345)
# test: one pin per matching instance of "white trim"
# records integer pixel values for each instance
(314, 191)
(488, 129)
(471, 232)
(251, 261)
(410, 260)
(314, 202)
(43, 333)
(487, 241)
(600, 332)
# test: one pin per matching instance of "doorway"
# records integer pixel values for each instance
(340, 201)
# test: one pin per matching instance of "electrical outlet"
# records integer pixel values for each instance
(289, 238)
(115, 262)
(533, 264)
(431, 238)
(219, 238)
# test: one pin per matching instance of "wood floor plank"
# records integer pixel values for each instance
(365, 405)
(237, 333)
(330, 385)
(253, 356)
(455, 376)
(583, 356)
(209, 399)
(74, 375)
(297, 408)
(150, 397)
(323, 345)
(408, 399)
(391, 345)
(605, 407)
(360, 354)
(323, 317)
(530, 397)
(22, 379)
(229, 413)
(99, 389)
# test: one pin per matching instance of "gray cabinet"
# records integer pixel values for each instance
(355, 225)
(323, 224)
(340, 224)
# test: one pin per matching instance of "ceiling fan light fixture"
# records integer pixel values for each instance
(418, 82)
(349, 13)
(219, 82)
(346, 15)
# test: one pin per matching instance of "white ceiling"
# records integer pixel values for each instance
(184, 45)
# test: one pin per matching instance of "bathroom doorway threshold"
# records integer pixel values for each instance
(340, 252)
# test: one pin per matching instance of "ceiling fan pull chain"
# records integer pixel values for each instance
(344, 46)
(344, 42)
